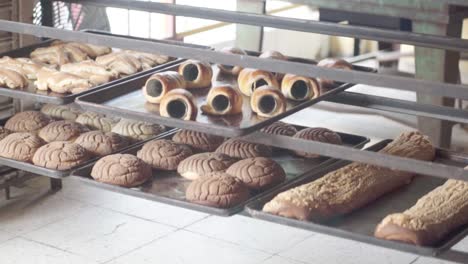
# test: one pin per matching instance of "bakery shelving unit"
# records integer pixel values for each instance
(433, 52)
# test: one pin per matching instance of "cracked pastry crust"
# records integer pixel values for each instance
(201, 164)
(97, 121)
(280, 128)
(61, 82)
(257, 173)
(63, 130)
(100, 143)
(227, 69)
(197, 74)
(136, 130)
(217, 190)
(200, 142)
(27, 121)
(251, 79)
(317, 134)
(164, 154)
(60, 111)
(12, 79)
(124, 170)
(351, 187)
(241, 149)
(20, 146)
(95, 73)
(434, 215)
(60, 155)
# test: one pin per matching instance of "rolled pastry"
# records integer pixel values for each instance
(268, 101)
(159, 84)
(223, 100)
(179, 103)
(61, 82)
(250, 79)
(197, 74)
(299, 88)
(229, 69)
(335, 64)
(12, 79)
(97, 74)
(275, 55)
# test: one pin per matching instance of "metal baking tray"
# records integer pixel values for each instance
(58, 174)
(168, 187)
(31, 93)
(126, 99)
(360, 225)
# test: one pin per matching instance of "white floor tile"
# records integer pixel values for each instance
(22, 251)
(320, 249)
(4, 236)
(280, 260)
(183, 247)
(251, 232)
(99, 234)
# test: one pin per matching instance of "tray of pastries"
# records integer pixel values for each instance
(216, 99)
(380, 206)
(60, 138)
(57, 72)
(206, 172)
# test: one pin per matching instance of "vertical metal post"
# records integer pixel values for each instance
(250, 37)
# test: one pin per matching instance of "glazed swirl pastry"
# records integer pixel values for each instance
(12, 79)
(121, 169)
(164, 154)
(97, 121)
(223, 100)
(217, 190)
(267, 101)
(317, 134)
(136, 130)
(20, 146)
(200, 142)
(197, 74)
(275, 55)
(159, 84)
(180, 104)
(240, 149)
(202, 164)
(63, 130)
(60, 111)
(335, 64)
(280, 128)
(60, 155)
(27, 121)
(251, 79)
(228, 69)
(299, 88)
(100, 143)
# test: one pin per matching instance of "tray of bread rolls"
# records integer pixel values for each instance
(216, 99)
(60, 138)
(205, 172)
(57, 72)
(366, 203)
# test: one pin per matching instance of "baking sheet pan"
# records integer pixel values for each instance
(360, 225)
(58, 174)
(168, 187)
(31, 93)
(127, 100)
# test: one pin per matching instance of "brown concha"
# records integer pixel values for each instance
(63, 130)
(20, 146)
(280, 128)
(97, 121)
(201, 164)
(200, 142)
(241, 149)
(60, 155)
(317, 134)
(27, 121)
(121, 169)
(100, 143)
(66, 112)
(218, 190)
(164, 154)
(136, 130)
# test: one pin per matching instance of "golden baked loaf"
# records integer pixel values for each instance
(201, 164)
(60, 155)
(58, 54)
(200, 142)
(351, 187)
(164, 154)
(63, 130)
(4, 132)
(257, 173)
(25, 66)
(299, 88)
(197, 74)
(217, 190)
(120, 62)
(228, 69)
(61, 82)
(240, 149)
(12, 79)
(268, 101)
(20, 146)
(136, 130)
(91, 50)
(97, 74)
(280, 128)
(275, 55)
(159, 84)
(434, 216)
(223, 100)
(251, 79)
(97, 121)
(124, 170)
(100, 143)
(317, 134)
(66, 112)
(147, 60)
(335, 64)
(180, 104)
(27, 121)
